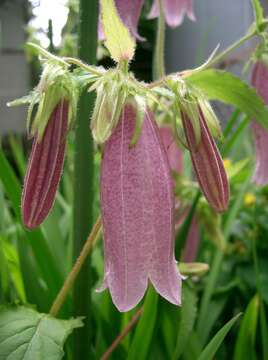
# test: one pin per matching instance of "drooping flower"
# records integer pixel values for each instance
(129, 11)
(175, 159)
(207, 163)
(137, 204)
(260, 82)
(174, 11)
(45, 168)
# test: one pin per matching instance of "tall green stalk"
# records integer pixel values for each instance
(83, 180)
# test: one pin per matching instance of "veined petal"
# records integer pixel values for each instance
(174, 10)
(164, 272)
(138, 232)
(260, 82)
(208, 164)
(129, 11)
(174, 154)
(45, 168)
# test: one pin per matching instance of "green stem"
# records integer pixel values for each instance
(159, 53)
(93, 237)
(83, 180)
(232, 47)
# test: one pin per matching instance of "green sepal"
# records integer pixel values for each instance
(119, 42)
(140, 106)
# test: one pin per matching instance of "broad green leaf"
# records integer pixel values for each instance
(245, 343)
(118, 39)
(144, 332)
(210, 350)
(188, 315)
(228, 88)
(28, 335)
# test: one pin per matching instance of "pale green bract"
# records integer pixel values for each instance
(118, 39)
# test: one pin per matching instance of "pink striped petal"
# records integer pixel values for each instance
(174, 10)
(260, 82)
(129, 11)
(137, 213)
(175, 155)
(208, 164)
(45, 168)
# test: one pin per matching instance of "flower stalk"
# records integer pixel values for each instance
(92, 238)
(83, 181)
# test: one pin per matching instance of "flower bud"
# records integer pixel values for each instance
(260, 82)
(45, 168)
(207, 163)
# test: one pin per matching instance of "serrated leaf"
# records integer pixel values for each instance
(210, 350)
(228, 88)
(118, 39)
(28, 335)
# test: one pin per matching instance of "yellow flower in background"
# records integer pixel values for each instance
(249, 199)
(227, 164)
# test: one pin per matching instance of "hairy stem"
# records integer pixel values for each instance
(159, 52)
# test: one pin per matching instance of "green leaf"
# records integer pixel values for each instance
(245, 344)
(13, 266)
(188, 315)
(45, 259)
(213, 346)
(264, 330)
(118, 39)
(28, 335)
(144, 332)
(228, 88)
